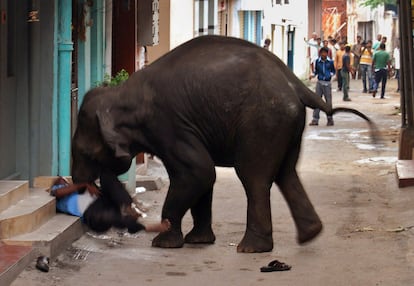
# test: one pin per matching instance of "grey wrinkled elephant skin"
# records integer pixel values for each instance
(213, 101)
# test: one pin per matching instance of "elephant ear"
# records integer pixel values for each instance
(112, 138)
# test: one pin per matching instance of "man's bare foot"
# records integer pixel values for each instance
(164, 226)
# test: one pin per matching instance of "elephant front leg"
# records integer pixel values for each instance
(201, 212)
(173, 238)
(192, 176)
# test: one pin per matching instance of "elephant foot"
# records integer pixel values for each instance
(169, 239)
(254, 243)
(200, 236)
(309, 232)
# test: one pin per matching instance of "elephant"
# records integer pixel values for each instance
(212, 101)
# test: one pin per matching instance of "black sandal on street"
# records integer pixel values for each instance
(275, 265)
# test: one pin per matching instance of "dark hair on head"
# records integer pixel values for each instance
(382, 46)
(369, 42)
(102, 214)
(347, 49)
(324, 49)
(267, 41)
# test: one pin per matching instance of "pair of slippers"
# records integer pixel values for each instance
(275, 265)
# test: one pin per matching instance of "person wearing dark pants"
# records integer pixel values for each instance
(338, 64)
(346, 69)
(381, 65)
(324, 70)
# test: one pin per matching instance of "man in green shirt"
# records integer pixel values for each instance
(380, 64)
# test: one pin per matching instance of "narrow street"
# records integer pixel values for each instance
(368, 221)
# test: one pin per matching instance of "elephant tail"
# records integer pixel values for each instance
(311, 100)
(375, 135)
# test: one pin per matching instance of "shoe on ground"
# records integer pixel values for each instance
(374, 93)
(347, 99)
(365, 91)
(330, 123)
(314, 123)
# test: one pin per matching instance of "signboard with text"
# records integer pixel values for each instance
(148, 22)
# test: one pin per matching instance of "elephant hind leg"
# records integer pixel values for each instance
(258, 234)
(306, 219)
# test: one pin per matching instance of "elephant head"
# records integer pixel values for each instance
(97, 144)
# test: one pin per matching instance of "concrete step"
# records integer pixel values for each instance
(11, 192)
(13, 260)
(52, 237)
(27, 214)
(405, 173)
(46, 181)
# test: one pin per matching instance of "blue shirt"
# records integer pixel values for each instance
(324, 69)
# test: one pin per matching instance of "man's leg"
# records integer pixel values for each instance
(397, 77)
(364, 77)
(345, 84)
(377, 79)
(327, 92)
(316, 111)
(339, 77)
(370, 78)
(384, 82)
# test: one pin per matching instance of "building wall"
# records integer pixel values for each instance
(314, 17)
(28, 97)
(369, 22)
(277, 21)
(154, 52)
(181, 28)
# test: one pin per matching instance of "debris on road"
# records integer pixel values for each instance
(397, 229)
(42, 263)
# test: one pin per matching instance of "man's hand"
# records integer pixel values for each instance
(93, 189)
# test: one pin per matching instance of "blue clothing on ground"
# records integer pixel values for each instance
(324, 69)
(67, 204)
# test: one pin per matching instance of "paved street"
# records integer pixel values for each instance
(367, 237)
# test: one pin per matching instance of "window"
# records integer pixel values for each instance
(205, 20)
(251, 26)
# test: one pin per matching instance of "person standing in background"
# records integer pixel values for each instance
(397, 64)
(377, 42)
(345, 70)
(338, 63)
(380, 64)
(267, 43)
(366, 66)
(356, 51)
(324, 70)
(314, 45)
